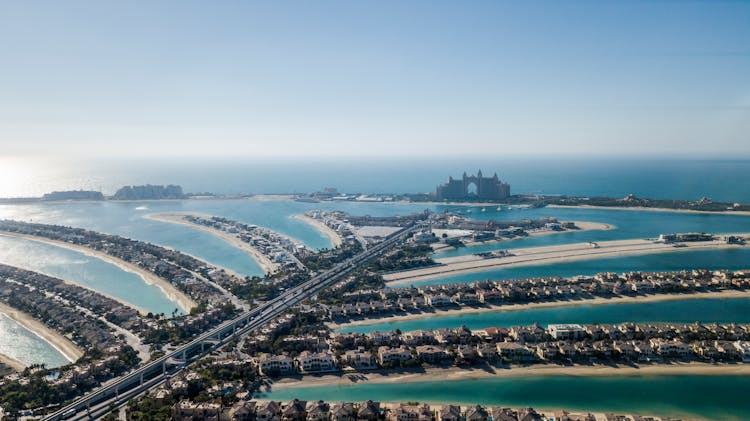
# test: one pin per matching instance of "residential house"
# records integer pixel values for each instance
(359, 359)
(450, 413)
(393, 356)
(274, 365)
(311, 362)
(432, 353)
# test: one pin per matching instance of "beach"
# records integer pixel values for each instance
(11, 363)
(67, 348)
(641, 208)
(179, 218)
(582, 226)
(545, 255)
(172, 293)
(322, 228)
(455, 373)
(546, 304)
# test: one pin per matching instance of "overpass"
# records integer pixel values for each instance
(117, 391)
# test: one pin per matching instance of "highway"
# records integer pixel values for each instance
(117, 391)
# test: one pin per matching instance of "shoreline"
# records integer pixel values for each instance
(266, 265)
(645, 209)
(170, 291)
(291, 197)
(322, 228)
(455, 373)
(534, 256)
(63, 345)
(546, 304)
(11, 362)
(582, 226)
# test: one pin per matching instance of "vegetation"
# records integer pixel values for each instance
(407, 257)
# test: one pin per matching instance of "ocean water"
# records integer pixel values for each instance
(627, 224)
(705, 310)
(734, 259)
(720, 180)
(23, 345)
(87, 271)
(599, 176)
(719, 397)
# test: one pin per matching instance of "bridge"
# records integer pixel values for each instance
(118, 391)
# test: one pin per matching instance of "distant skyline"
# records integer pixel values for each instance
(336, 78)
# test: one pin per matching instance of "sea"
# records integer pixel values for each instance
(723, 180)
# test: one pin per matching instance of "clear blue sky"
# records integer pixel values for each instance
(374, 77)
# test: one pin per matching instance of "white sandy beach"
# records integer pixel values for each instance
(67, 348)
(545, 255)
(641, 208)
(455, 373)
(172, 293)
(322, 228)
(546, 304)
(179, 218)
(582, 226)
(12, 363)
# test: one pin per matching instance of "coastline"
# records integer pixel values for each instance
(455, 373)
(644, 209)
(534, 256)
(545, 304)
(170, 291)
(63, 345)
(11, 362)
(177, 218)
(582, 226)
(322, 228)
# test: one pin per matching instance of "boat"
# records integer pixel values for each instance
(484, 209)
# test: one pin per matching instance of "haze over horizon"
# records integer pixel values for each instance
(234, 79)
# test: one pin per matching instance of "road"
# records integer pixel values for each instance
(117, 391)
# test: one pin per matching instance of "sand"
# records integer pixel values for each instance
(67, 348)
(322, 228)
(545, 304)
(11, 362)
(582, 226)
(640, 208)
(546, 255)
(455, 373)
(179, 218)
(173, 294)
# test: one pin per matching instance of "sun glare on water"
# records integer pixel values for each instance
(22, 177)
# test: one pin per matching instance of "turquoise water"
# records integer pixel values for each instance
(613, 176)
(126, 219)
(709, 397)
(627, 224)
(723, 310)
(84, 270)
(23, 345)
(694, 259)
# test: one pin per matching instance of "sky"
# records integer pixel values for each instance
(374, 78)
